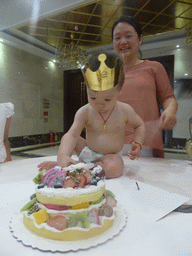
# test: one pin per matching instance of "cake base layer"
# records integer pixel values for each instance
(70, 201)
(67, 234)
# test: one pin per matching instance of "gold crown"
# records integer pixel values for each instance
(104, 78)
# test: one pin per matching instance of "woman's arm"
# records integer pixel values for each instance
(6, 140)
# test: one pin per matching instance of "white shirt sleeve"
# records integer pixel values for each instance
(9, 107)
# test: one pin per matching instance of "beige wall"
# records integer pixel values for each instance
(26, 80)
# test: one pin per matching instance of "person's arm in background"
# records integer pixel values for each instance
(168, 117)
(6, 140)
(166, 97)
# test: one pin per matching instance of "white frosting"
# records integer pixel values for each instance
(70, 192)
(75, 167)
(97, 169)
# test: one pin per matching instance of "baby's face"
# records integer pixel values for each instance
(103, 101)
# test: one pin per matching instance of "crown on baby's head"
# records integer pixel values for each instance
(103, 71)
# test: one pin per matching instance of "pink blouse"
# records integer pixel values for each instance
(146, 87)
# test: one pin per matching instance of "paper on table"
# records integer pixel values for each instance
(153, 202)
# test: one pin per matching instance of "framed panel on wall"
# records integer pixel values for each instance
(75, 96)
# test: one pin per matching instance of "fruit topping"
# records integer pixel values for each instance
(98, 171)
(110, 201)
(40, 186)
(109, 193)
(41, 216)
(82, 180)
(58, 185)
(80, 206)
(101, 174)
(79, 219)
(32, 196)
(105, 210)
(58, 222)
(28, 206)
(33, 209)
(38, 178)
(93, 182)
(97, 178)
(57, 207)
(94, 217)
(46, 178)
(79, 180)
(69, 182)
(89, 176)
(58, 178)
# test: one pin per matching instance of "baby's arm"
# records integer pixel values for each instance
(69, 140)
(136, 122)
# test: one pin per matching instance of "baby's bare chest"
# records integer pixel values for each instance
(115, 123)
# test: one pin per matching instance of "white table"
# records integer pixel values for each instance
(172, 235)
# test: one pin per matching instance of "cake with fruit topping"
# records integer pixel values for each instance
(70, 204)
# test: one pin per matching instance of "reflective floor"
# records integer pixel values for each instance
(44, 151)
(52, 150)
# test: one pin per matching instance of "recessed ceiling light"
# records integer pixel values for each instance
(177, 46)
(1, 40)
(186, 74)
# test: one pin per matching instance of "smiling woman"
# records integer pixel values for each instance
(146, 87)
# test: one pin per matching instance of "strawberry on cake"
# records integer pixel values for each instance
(70, 204)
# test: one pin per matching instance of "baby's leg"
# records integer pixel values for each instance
(112, 164)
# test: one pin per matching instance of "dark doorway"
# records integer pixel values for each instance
(75, 96)
(168, 63)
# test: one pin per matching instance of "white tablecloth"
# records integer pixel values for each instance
(172, 235)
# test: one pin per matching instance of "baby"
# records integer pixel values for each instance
(104, 119)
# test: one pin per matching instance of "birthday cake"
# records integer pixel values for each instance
(70, 204)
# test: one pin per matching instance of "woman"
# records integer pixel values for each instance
(146, 87)
(6, 111)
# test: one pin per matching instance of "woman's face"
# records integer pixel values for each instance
(126, 40)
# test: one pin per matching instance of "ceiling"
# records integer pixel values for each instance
(89, 25)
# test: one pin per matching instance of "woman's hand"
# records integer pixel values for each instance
(168, 119)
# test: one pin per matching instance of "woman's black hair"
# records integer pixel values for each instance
(129, 20)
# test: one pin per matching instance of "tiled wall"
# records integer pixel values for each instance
(27, 80)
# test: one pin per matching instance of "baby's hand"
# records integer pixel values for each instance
(47, 165)
(66, 161)
(134, 153)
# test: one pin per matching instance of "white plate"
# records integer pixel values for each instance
(30, 239)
